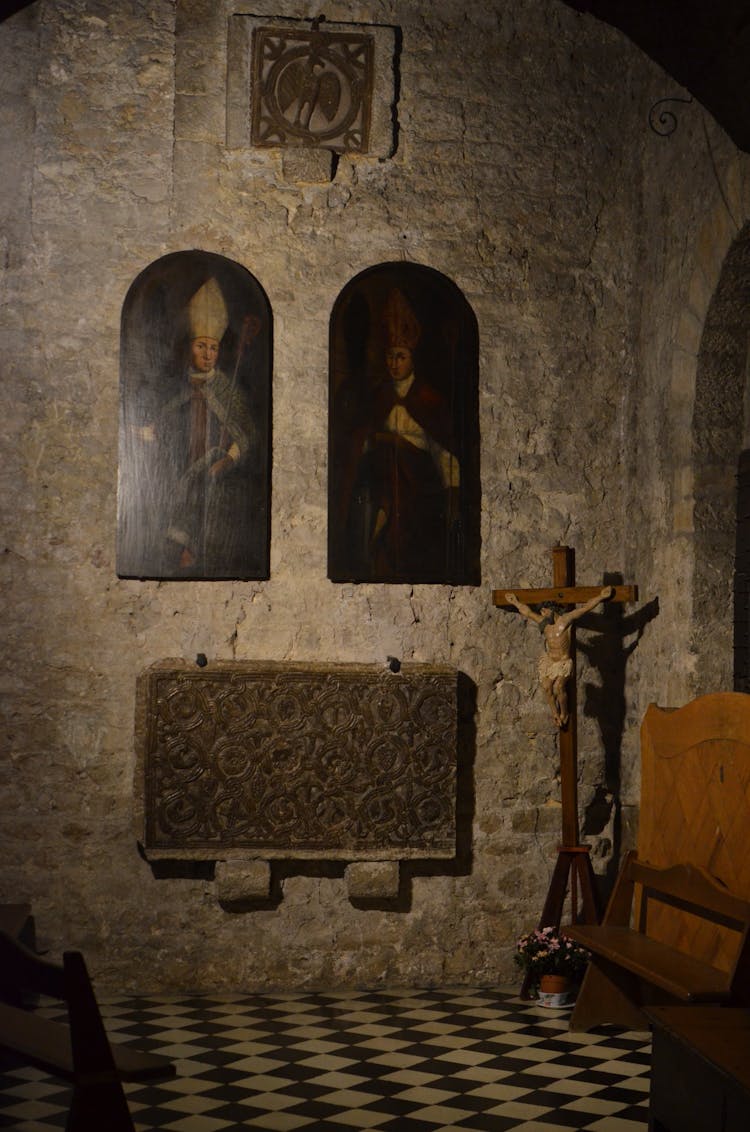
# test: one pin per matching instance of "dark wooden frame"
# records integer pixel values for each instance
(229, 523)
(446, 386)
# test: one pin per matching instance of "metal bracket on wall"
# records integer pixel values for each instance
(664, 122)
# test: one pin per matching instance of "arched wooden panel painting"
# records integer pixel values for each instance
(404, 497)
(195, 402)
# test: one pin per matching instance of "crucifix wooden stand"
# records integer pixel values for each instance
(573, 867)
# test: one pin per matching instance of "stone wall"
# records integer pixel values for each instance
(525, 171)
(691, 414)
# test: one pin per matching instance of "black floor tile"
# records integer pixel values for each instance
(397, 1060)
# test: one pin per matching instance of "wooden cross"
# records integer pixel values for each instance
(573, 858)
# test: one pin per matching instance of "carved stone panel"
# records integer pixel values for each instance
(312, 88)
(272, 760)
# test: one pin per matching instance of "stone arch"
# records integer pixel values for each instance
(718, 440)
(708, 420)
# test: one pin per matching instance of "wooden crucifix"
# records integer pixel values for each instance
(558, 677)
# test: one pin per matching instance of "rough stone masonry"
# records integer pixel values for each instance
(588, 248)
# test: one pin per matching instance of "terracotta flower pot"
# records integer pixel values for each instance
(554, 990)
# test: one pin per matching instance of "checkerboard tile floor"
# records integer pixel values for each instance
(409, 1061)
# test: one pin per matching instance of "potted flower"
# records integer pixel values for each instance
(553, 963)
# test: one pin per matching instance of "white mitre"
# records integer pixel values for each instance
(207, 312)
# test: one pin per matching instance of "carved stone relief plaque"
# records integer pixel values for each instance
(272, 760)
(312, 88)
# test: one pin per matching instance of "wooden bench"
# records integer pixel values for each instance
(700, 1069)
(669, 935)
(77, 1050)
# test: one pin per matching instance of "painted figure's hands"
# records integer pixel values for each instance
(380, 521)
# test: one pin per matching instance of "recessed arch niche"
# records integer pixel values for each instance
(721, 467)
(403, 487)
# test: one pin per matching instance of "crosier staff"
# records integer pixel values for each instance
(250, 330)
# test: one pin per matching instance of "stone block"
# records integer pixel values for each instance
(549, 818)
(239, 882)
(372, 880)
(198, 118)
(689, 330)
(314, 166)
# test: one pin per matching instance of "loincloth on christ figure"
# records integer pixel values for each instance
(550, 669)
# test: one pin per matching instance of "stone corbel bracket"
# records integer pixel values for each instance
(244, 764)
(314, 90)
(243, 883)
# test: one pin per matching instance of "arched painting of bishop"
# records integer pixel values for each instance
(194, 428)
(404, 451)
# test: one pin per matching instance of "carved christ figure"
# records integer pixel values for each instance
(556, 662)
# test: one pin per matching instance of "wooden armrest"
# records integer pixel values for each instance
(14, 918)
(694, 889)
(47, 1043)
(678, 974)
